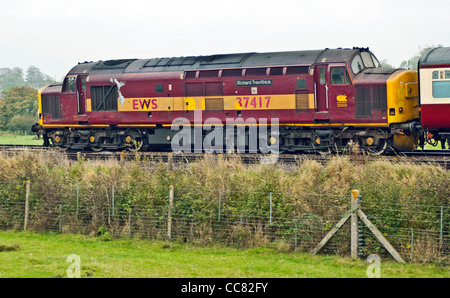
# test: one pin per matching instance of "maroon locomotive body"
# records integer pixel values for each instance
(321, 100)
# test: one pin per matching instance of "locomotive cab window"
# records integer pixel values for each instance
(69, 85)
(339, 76)
(357, 64)
(367, 59)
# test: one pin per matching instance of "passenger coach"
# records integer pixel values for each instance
(434, 73)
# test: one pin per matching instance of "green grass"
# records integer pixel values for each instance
(45, 256)
(13, 139)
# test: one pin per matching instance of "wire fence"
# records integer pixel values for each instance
(420, 233)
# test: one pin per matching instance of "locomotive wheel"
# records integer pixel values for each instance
(379, 149)
(134, 140)
(136, 145)
(58, 143)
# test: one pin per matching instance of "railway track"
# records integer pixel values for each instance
(440, 157)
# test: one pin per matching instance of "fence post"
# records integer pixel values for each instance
(220, 200)
(442, 217)
(129, 222)
(169, 218)
(270, 220)
(192, 227)
(27, 205)
(60, 218)
(412, 245)
(295, 239)
(354, 223)
(112, 201)
(78, 194)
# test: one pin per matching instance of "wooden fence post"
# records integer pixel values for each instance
(354, 213)
(27, 205)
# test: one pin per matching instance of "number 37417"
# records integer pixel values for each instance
(256, 102)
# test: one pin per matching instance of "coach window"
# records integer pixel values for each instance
(435, 75)
(441, 89)
(69, 84)
(339, 76)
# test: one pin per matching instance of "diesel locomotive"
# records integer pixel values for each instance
(322, 100)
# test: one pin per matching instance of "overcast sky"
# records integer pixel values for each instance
(54, 35)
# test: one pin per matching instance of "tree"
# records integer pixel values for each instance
(17, 101)
(413, 62)
(35, 78)
(15, 77)
(21, 123)
(12, 77)
(385, 64)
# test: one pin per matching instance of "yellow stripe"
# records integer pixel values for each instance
(98, 125)
(221, 124)
(75, 125)
(291, 124)
(137, 125)
(230, 103)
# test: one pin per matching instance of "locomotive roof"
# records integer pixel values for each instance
(436, 56)
(222, 61)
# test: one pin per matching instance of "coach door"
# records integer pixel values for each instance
(321, 91)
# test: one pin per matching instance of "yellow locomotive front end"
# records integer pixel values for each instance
(402, 89)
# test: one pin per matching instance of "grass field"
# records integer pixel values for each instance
(12, 139)
(30, 255)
